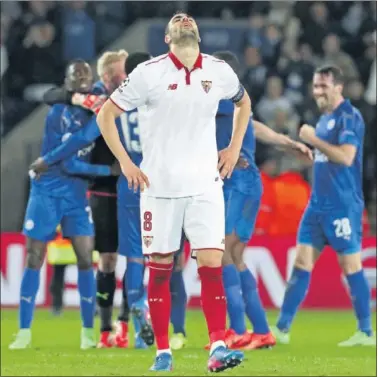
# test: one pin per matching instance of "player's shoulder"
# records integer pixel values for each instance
(56, 110)
(209, 61)
(348, 111)
(98, 88)
(155, 63)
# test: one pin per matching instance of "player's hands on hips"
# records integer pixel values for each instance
(38, 167)
(227, 159)
(135, 177)
(307, 133)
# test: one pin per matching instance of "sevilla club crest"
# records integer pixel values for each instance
(147, 240)
(206, 85)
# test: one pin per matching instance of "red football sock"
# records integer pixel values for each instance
(213, 301)
(159, 300)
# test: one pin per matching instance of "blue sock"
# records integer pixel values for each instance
(253, 307)
(235, 304)
(87, 290)
(134, 282)
(296, 291)
(28, 292)
(178, 306)
(360, 292)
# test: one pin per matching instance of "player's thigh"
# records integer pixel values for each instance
(161, 224)
(129, 231)
(247, 217)
(310, 231)
(233, 207)
(104, 214)
(204, 222)
(343, 229)
(77, 217)
(42, 217)
(179, 257)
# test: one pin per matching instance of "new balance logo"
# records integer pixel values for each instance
(172, 86)
(104, 296)
(89, 300)
(27, 299)
(155, 300)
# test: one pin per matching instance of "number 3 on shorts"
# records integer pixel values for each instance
(147, 221)
(342, 227)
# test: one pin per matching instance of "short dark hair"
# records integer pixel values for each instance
(134, 59)
(333, 70)
(230, 58)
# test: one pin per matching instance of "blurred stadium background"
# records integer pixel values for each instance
(279, 44)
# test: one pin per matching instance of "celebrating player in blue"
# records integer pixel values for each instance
(59, 197)
(242, 194)
(334, 213)
(129, 238)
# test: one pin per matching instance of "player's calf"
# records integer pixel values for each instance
(159, 298)
(83, 247)
(213, 296)
(28, 292)
(297, 287)
(360, 293)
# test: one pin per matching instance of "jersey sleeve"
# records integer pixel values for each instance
(231, 87)
(74, 166)
(85, 136)
(132, 93)
(348, 131)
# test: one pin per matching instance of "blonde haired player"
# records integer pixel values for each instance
(180, 175)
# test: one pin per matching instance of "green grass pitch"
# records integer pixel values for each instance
(313, 350)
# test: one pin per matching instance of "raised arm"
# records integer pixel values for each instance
(348, 139)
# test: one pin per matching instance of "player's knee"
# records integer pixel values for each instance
(351, 263)
(305, 259)
(227, 258)
(35, 254)
(84, 259)
(179, 263)
(108, 262)
(106, 285)
(161, 258)
(209, 258)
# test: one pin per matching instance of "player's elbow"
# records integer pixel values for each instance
(68, 167)
(107, 114)
(245, 103)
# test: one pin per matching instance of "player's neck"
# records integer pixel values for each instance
(187, 54)
(336, 104)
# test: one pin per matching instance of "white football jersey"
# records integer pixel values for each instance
(178, 134)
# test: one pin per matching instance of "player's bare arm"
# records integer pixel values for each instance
(340, 154)
(266, 135)
(228, 157)
(106, 122)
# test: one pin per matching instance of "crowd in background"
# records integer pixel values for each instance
(283, 44)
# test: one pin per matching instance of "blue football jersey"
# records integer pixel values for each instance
(68, 177)
(335, 185)
(244, 180)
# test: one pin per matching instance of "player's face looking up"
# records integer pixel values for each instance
(325, 91)
(79, 77)
(182, 29)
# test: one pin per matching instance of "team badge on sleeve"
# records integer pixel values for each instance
(147, 240)
(206, 85)
(124, 84)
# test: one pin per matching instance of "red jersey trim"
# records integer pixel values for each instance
(117, 105)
